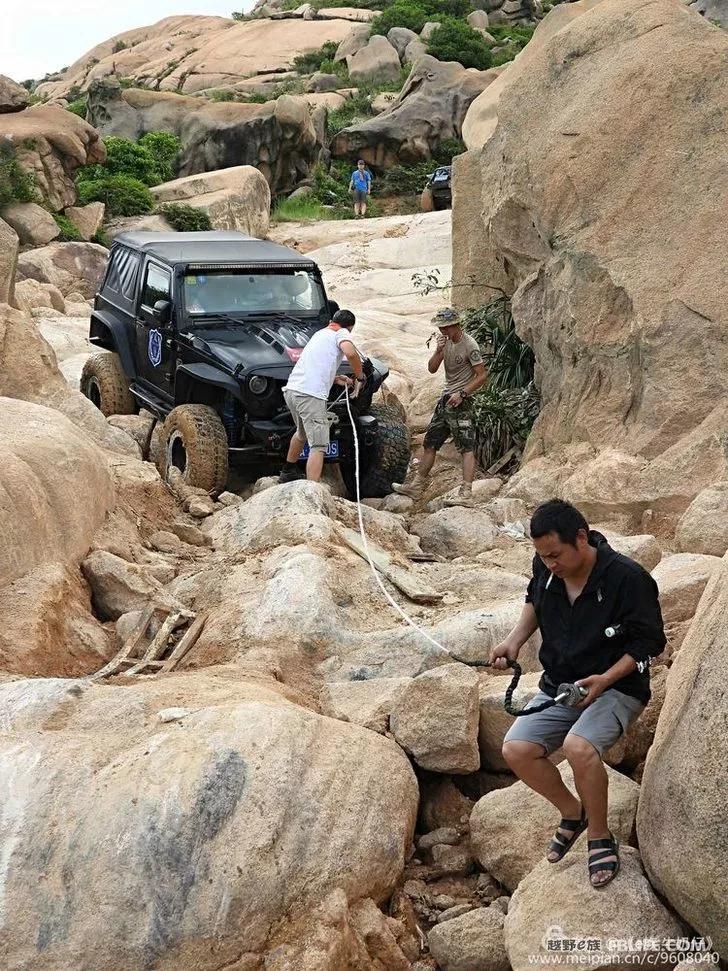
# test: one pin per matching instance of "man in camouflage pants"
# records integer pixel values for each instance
(464, 374)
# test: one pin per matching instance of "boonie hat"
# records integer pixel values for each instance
(446, 317)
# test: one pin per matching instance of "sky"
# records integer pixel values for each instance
(39, 36)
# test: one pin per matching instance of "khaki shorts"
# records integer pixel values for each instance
(601, 723)
(312, 423)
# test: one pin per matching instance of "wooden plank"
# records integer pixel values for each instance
(130, 647)
(187, 642)
(159, 645)
(410, 585)
(502, 461)
(422, 557)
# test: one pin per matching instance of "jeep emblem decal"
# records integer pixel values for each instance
(154, 348)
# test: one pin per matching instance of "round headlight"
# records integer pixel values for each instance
(258, 385)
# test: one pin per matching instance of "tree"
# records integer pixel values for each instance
(455, 40)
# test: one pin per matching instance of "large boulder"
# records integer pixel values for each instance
(681, 579)
(378, 61)
(34, 225)
(356, 39)
(52, 144)
(72, 267)
(431, 107)
(510, 829)
(703, 527)
(88, 220)
(555, 905)
(399, 38)
(235, 198)
(471, 942)
(365, 703)
(495, 720)
(30, 294)
(13, 97)
(9, 245)
(458, 531)
(551, 205)
(197, 53)
(55, 490)
(231, 807)
(435, 719)
(682, 800)
(278, 137)
(715, 11)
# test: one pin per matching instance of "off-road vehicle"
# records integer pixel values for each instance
(203, 329)
(437, 193)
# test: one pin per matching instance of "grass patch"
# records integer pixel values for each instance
(184, 218)
(16, 185)
(70, 233)
(304, 209)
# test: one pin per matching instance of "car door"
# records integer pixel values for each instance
(155, 344)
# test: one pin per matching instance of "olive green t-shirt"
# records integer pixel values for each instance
(460, 360)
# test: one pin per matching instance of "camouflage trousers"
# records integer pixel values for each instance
(455, 423)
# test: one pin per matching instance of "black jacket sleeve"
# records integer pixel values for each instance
(642, 617)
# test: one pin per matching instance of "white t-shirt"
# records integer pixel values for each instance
(316, 368)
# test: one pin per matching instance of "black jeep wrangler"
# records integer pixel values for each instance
(437, 193)
(203, 329)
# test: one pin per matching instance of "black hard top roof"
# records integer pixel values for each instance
(218, 246)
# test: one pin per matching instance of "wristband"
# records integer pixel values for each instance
(463, 394)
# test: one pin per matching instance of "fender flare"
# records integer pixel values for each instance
(111, 334)
(188, 375)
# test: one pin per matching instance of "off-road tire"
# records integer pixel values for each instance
(104, 383)
(195, 443)
(427, 201)
(384, 462)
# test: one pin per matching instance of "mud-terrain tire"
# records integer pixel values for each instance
(196, 445)
(104, 383)
(427, 201)
(385, 461)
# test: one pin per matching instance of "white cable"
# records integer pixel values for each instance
(384, 590)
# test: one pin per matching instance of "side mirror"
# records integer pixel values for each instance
(162, 311)
(333, 307)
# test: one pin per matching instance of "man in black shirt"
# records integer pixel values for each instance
(600, 624)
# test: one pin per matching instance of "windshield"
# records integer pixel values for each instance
(285, 292)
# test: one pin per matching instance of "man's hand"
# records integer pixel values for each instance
(597, 685)
(502, 653)
(344, 380)
(441, 340)
(455, 400)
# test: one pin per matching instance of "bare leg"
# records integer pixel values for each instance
(592, 784)
(528, 760)
(426, 461)
(314, 466)
(363, 208)
(468, 467)
(295, 448)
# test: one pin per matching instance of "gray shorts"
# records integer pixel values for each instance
(309, 413)
(360, 195)
(601, 723)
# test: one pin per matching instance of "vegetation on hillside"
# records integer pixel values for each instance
(455, 40)
(122, 182)
(505, 410)
(70, 233)
(184, 218)
(16, 185)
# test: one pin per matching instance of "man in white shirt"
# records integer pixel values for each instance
(308, 390)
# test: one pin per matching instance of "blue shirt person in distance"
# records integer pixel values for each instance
(361, 185)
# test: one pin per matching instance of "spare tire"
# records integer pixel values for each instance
(195, 444)
(104, 383)
(385, 461)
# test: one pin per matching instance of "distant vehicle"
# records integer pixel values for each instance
(203, 329)
(437, 194)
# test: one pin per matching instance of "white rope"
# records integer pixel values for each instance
(393, 603)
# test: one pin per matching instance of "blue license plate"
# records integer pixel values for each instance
(332, 452)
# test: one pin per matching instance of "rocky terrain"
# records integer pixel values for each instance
(316, 786)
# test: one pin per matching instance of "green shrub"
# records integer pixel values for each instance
(455, 40)
(124, 157)
(78, 107)
(311, 61)
(504, 412)
(164, 147)
(184, 218)
(102, 238)
(16, 185)
(122, 195)
(446, 150)
(406, 179)
(119, 45)
(219, 95)
(253, 99)
(302, 209)
(335, 67)
(70, 233)
(402, 13)
(511, 40)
